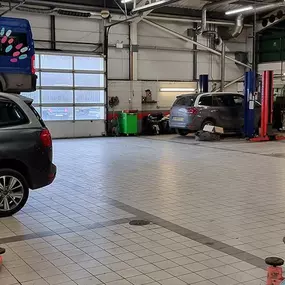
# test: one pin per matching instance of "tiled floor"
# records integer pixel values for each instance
(217, 210)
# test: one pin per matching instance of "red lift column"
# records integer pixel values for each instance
(267, 104)
(266, 132)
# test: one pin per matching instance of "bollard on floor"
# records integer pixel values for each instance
(2, 251)
(274, 270)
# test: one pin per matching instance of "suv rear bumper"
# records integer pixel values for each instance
(43, 179)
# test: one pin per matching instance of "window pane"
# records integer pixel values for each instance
(56, 79)
(33, 95)
(37, 61)
(89, 113)
(57, 96)
(238, 100)
(88, 63)
(57, 113)
(56, 61)
(180, 101)
(38, 109)
(89, 80)
(38, 79)
(206, 101)
(11, 115)
(89, 96)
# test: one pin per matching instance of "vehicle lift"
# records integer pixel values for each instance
(265, 132)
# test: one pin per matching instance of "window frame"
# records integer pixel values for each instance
(74, 103)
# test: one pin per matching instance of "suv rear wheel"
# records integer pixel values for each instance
(182, 132)
(14, 192)
(207, 122)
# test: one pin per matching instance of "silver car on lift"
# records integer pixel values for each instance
(191, 112)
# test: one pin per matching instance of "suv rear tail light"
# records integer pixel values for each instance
(192, 111)
(46, 138)
(33, 69)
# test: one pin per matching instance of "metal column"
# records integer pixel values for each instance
(249, 101)
(267, 104)
(223, 67)
(133, 51)
(204, 83)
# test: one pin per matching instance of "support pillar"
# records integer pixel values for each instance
(249, 101)
(223, 67)
(52, 32)
(204, 83)
(133, 51)
(267, 104)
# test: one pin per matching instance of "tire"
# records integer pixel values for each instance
(182, 132)
(14, 199)
(207, 122)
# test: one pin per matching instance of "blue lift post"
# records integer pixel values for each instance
(204, 83)
(249, 102)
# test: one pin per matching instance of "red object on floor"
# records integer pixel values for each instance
(1, 260)
(274, 275)
(260, 139)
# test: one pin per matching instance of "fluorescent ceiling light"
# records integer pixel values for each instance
(126, 1)
(177, 89)
(240, 10)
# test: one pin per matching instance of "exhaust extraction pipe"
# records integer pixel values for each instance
(239, 22)
(203, 27)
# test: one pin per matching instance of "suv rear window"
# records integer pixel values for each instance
(11, 115)
(185, 101)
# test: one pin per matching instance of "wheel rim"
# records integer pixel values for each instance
(11, 193)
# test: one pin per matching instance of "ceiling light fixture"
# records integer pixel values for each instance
(126, 1)
(177, 89)
(240, 10)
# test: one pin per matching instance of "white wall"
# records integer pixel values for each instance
(161, 56)
(279, 72)
(153, 62)
(136, 89)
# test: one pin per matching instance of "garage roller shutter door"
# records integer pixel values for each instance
(71, 94)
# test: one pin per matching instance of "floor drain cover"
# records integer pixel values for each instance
(139, 223)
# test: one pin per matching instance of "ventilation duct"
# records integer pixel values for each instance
(55, 11)
(29, 9)
(74, 13)
(239, 23)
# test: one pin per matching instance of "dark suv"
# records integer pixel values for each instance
(25, 153)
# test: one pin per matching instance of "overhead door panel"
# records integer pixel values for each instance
(71, 94)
